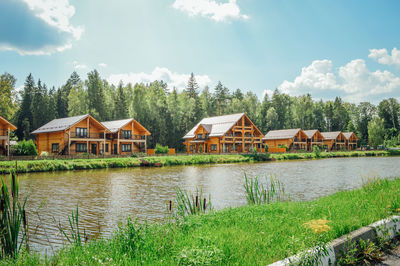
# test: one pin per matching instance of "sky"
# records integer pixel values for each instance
(330, 48)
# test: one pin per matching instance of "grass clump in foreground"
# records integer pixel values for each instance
(99, 163)
(256, 234)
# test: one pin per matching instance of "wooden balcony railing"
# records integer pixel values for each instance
(240, 128)
(80, 135)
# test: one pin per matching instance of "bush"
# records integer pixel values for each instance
(44, 154)
(283, 146)
(161, 149)
(26, 147)
(266, 148)
(317, 151)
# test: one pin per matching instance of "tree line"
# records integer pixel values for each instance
(169, 114)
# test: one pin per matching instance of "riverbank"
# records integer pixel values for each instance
(154, 161)
(244, 235)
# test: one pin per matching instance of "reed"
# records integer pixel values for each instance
(74, 236)
(257, 193)
(13, 221)
(191, 204)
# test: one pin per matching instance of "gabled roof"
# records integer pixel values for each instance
(310, 133)
(62, 124)
(216, 126)
(331, 135)
(116, 125)
(348, 135)
(281, 134)
(6, 122)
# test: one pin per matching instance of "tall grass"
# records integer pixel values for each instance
(74, 236)
(257, 193)
(191, 204)
(13, 222)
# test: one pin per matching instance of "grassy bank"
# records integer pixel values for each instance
(246, 235)
(98, 163)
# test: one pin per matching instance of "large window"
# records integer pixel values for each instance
(102, 145)
(81, 147)
(200, 136)
(81, 132)
(126, 147)
(213, 147)
(54, 147)
(126, 134)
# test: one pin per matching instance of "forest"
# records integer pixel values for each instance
(169, 114)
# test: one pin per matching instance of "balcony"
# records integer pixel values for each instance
(299, 140)
(133, 137)
(240, 128)
(82, 135)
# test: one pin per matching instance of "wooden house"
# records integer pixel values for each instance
(127, 136)
(224, 134)
(73, 135)
(294, 139)
(351, 140)
(314, 138)
(334, 140)
(5, 130)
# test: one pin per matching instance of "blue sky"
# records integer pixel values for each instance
(326, 48)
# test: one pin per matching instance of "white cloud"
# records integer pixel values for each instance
(210, 9)
(383, 57)
(102, 65)
(78, 65)
(47, 20)
(354, 81)
(173, 79)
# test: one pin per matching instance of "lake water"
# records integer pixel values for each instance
(106, 197)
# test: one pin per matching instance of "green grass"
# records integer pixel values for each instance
(98, 163)
(248, 235)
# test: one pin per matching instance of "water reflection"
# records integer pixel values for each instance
(106, 197)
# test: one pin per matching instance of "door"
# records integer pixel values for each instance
(115, 149)
(94, 149)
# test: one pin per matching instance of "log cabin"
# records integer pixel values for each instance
(5, 130)
(293, 139)
(334, 141)
(224, 134)
(314, 138)
(351, 140)
(73, 135)
(127, 136)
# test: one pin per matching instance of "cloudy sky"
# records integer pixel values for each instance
(327, 48)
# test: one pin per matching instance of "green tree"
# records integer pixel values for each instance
(40, 106)
(8, 96)
(365, 112)
(77, 101)
(389, 110)
(221, 95)
(272, 120)
(121, 110)
(24, 116)
(376, 132)
(192, 87)
(96, 96)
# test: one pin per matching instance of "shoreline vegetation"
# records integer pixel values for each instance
(43, 165)
(248, 235)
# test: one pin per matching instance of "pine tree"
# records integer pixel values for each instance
(221, 96)
(39, 106)
(192, 87)
(24, 115)
(121, 110)
(96, 96)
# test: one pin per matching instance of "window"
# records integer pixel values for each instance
(126, 134)
(200, 136)
(81, 132)
(126, 147)
(102, 145)
(54, 147)
(213, 147)
(81, 147)
(191, 147)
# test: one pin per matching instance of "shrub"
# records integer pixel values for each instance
(161, 149)
(266, 148)
(44, 154)
(317, 151)
(26, 147)
(283, 146)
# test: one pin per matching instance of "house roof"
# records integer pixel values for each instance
(331, 135)
(62, 124)
(347, 135)
(281, 134)
(116, 125)
(310, 133)
(6, 122)
(216, 126)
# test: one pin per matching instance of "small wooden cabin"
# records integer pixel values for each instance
(224, 134)
(334, 141)
(314, 138)
(351, 140)
(73, 135)
(5, 130)
(127, 136)
(294, 139)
